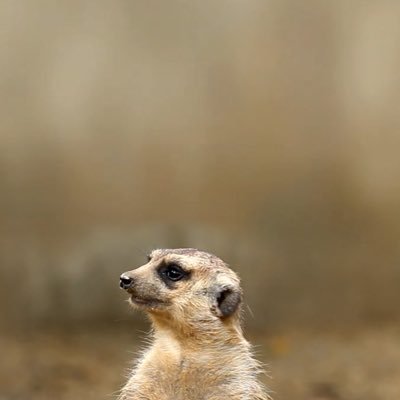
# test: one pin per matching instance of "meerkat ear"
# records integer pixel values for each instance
(228, 300)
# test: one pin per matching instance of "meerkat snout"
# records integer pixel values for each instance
(125, 282)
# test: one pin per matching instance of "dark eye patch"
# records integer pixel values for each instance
(171, 273)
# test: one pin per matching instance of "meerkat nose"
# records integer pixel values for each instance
(125, 282)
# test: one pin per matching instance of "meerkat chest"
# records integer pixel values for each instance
(165, 377)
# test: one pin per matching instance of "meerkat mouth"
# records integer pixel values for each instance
(145, 302)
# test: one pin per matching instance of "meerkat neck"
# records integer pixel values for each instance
(212, 332)
(213, 348)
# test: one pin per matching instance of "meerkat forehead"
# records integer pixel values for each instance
(192, 256)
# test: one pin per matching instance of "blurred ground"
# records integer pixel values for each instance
(90, 364)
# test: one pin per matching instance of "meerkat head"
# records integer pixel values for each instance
(184, 286)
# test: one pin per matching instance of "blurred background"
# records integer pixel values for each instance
(264, 131)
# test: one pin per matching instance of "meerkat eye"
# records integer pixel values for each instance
(171, 273)
(174, 273)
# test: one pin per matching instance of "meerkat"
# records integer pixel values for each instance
(198, 350)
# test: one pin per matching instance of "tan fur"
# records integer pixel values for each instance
(197, 353)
